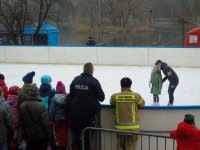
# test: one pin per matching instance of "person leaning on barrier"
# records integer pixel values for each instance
(126, 105)
(186, 134)
(86, 93)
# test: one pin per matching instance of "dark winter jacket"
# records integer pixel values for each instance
(4, 104)
(4, 88)
(6, 126)
(57, 111)
(170, 74)
(86, 92)
(91, 43)
(23, 94)
(34, 122)
(187, 137)
(46, 93)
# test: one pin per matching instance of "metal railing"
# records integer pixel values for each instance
(108, 139)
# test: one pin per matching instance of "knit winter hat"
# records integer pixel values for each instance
(189, 118)
(46, 79)
(28, 78)
(2, 77)
(14, 90)
(33, 91)
(60, 88)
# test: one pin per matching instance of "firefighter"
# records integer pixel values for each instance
(126, 104)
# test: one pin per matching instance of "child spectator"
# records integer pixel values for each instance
(28, 83)
(12, 100)
(3, 85)
(4, 104)
(6, 128)
(186, 134)
(46, 92)
(34, 122)
(156, 84)
(57, 114)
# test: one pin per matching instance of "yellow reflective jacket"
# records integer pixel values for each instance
(126, 105)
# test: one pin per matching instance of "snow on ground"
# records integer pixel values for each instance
(187, 93)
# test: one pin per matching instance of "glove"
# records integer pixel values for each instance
(150, 85)
(172, 86)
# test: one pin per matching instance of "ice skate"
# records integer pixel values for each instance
(170, 104)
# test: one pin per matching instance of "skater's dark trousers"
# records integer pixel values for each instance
(171, 90)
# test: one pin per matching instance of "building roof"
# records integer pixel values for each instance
(45, 29)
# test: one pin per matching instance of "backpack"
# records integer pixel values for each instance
(57, 111)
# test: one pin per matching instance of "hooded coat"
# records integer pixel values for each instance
(170, 74)
(4, 104)
(58, 115)
(57, 111)
(23, 94)
(6, 126)
(156, 81)
(34, 122)
(187, 136)
(12, 100)
(4, 88)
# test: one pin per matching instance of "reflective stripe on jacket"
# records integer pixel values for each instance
(126, 105)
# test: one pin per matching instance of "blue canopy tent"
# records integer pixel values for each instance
(48, 34)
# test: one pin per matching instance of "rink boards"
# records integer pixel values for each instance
(154, 120)
(135, 56)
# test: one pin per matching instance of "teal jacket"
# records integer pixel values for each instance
(156, 82)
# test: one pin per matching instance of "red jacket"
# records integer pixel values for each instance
(4, 88)
(187, 137)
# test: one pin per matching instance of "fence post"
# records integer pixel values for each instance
(126, 133)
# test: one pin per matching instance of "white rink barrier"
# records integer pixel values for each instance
(152, 118)
(136, 56)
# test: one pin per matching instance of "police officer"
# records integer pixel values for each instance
(126, 105)
(86, 92)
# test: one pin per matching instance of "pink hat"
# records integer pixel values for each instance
(60, 88)
(14, 90)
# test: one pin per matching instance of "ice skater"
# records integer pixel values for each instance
(156, 84)
(171, 75)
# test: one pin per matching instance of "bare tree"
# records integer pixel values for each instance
(16, 14)
(40, 13)
(122, 10)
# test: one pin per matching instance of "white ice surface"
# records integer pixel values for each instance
(187, 93)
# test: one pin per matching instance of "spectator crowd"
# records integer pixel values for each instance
(38, 118)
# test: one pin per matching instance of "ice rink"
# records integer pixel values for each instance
(187, 93)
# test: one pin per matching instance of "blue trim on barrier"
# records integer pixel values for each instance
(101, 46)
(162, 107)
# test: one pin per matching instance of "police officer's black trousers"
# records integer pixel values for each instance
(77, 126)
